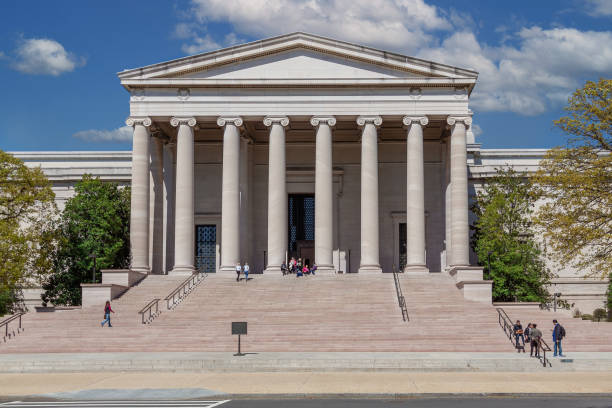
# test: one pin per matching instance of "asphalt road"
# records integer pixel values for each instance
(426, 402)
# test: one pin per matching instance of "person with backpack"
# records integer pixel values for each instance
(107, 311)
(558, 333)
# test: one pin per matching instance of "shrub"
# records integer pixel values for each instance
(587, 317)
(600, 314)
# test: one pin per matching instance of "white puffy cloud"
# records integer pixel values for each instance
(540, 69)
(543, 69)
(122, 134)
(394, 24)
(597, 8)
(43, 56)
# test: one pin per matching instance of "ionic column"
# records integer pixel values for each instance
(156, 208)
(184, 226)
(459, 227)
(415, 195)
(277, 193)
(323, 193)
(168, 241)
(369, 262)
(139, 206)
(230, 194)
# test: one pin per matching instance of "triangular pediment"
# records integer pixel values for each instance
(296, 56)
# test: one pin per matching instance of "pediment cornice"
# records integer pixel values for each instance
(167, 73)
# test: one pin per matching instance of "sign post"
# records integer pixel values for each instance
(239, 328)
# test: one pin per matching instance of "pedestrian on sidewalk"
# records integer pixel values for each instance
(238, 270)
(558, 332)
(246, 271)
(107, 311)
(536, 336)
(518, 334)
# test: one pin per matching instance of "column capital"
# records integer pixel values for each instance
(229, 120)
(323, 120)
(410, 120)
(138, 120)
(376, 120)
(187, 120)
(281, 120)
(466, 119)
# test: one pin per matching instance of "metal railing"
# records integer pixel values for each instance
(506, 323)
(177, 295)
(147, 314)
(8, 333)
(400, 295)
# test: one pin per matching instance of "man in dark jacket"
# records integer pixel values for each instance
(557, 334)
(535, 335)
(518, 335)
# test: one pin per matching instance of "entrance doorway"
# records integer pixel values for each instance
(402, 246)
(301, 213)
(206, 248)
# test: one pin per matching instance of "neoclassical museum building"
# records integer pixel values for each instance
(353, 158)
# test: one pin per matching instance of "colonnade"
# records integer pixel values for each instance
(184, 183)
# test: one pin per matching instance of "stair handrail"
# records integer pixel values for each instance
(177, 295)
(506, 323)
(148, 310)
(400, 295)
(8, 320)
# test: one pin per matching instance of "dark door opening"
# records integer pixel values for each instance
(402, 246)
(206, 248)
(301, 227)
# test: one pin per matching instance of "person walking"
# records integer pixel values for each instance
(518, 334)
(246, 271)
(558, 333)
(238, 270)
(535, 335)
(107, 311)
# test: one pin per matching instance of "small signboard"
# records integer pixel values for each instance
(239, 328)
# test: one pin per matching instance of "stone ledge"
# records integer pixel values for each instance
(466, 273)
(123, 277)
(96, 294)
(476, 290)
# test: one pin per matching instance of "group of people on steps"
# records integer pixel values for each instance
(533, 336)
(296, 267)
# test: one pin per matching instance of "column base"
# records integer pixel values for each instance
(227, 269)
(141, 269)
(182, 270)
(325, 269)
(273, 269)
(369, 269)
(416, 269)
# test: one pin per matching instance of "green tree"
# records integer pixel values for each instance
(575, 184)
(609, 298)
(502, 233)
(95, 221)
(27, 229)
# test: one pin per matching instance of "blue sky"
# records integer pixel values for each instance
(59, 59)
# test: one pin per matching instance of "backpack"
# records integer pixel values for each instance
(561, 332)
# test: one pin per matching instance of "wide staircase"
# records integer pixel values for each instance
(286, 313)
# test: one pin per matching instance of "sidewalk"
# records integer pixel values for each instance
(186, 385)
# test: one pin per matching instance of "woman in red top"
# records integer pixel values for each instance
(107, 312)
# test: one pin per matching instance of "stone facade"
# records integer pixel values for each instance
(379, 144)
